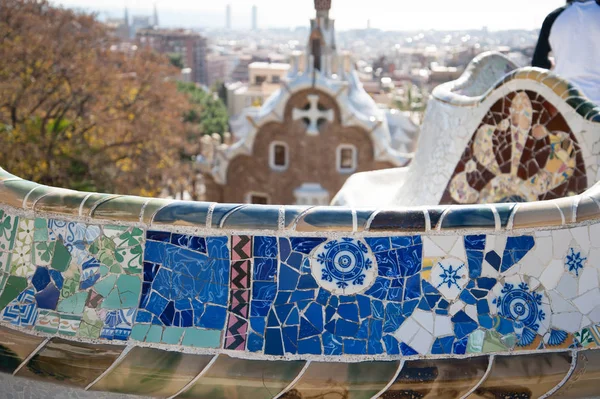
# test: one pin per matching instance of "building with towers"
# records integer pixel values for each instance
(317, 129)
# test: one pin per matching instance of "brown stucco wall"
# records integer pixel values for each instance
(312, 159)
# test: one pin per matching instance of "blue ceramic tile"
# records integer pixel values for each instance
(387, 263)
(410, 260)
(346, 328)
(255, 342)
(307, 329)
(407, 350)
(516, 248)
(307, 281)
(310, 346)
(273, 342)
(265, 247)
(285, 248)
(348, 311)
(314, 313)
(392, 347)
(327, 218)
(332, 345)
(263, 217)
(290, 339)
(493, 259)
(264, 291)
(399, 220)
(442, 346)
(355, 347)
(463, 324)
(292, 212)
(163, 236)
(265, 269)
(217, 247)
(48, 297)
(412, 289)
(378, 244)
(305, 245)
(288, 278)
(41, 278)
(466, 216)
(188, 213)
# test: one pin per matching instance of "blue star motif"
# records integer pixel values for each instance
(574, 261)
(450, 276)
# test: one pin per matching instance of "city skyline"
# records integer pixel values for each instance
(432, 14)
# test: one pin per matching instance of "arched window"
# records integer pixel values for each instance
(278, 156)
(346, 158)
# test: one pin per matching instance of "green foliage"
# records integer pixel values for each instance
(208, 111)
(176, 60)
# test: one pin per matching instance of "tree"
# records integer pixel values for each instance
(77, 112)
(207, 110)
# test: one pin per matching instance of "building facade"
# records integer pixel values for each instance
(309, 136)
(191, 46)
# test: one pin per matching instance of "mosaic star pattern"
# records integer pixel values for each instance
(523, 151)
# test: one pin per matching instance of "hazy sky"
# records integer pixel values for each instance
(384, 14)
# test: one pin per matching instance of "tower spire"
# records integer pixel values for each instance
(322, 7)
(155, 16)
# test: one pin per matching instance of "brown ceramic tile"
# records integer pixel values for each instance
(443, 378)
(127, 209)
(537, 214)
(238, 378)
(60, 201)
(343, 380)
(153, 372)
(524, 376)
(15, 346)
(585, 379)
(70, 363)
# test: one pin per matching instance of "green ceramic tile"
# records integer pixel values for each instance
(154, 334)
(153, 372)
(93, 201)
(202, 338)
(15, 346)
(70, 363)
(172, 335)
(139, 332)
(493, 343)
(238, 378)
(61, 258)
(61, 201)
(125, 294)
(14, 286)
(104, 286)
(8, 230)
(44, 252)
(475, 341)
(125, 209)
(14, 191)
(73, 304)
(91, 324)
(41, 230)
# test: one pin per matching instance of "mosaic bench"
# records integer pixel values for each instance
(108, 293)
(496, 134)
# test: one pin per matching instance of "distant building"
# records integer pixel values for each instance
(119, 27)
(228, 17)
(219, 68)
(310, 135)
(264, 79)
(254, 18)
(139, 22)
(191, 46)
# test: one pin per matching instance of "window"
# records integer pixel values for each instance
(278, 156)
(259, 79)
(275, 79)
(257, 198)
(346, 158)
(311, 194)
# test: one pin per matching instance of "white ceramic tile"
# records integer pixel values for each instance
(450, 276)
(422, 341)
(561, 239)
(588, 279)
(443, 326)
(568, 322)
(567, 286)
(425, 319)
(431, 250)
(586, 302)
(407, 330)
(559, 304)
(445, 242)
(552, 274)
(581, 235)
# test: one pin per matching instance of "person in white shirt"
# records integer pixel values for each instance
(572, 33)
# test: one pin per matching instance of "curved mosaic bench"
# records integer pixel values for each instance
(165, 298)
(496, 134)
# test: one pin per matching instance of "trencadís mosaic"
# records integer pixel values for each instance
(280, 296)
